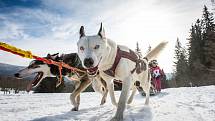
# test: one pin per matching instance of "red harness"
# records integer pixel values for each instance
(131, 55)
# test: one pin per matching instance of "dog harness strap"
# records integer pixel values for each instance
(111, 71)
(131, 55)
(60, 80)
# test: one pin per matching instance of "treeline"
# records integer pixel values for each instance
(195, 62)
(8, 83)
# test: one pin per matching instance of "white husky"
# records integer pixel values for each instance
(113, 61)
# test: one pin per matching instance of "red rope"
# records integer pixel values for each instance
(60, 66)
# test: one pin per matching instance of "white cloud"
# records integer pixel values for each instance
(11, 31)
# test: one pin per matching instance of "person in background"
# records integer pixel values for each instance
(156, 75)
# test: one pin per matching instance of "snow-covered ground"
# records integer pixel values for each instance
(176, 104)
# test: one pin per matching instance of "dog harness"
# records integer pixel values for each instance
(131, 55)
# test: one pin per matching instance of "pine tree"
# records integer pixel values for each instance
(181, 64)
(195, 44)
(207, 20)
(138, 51)
(209, 38)
(202, 50)
(196, 54)
(177, 50)
(149, 49)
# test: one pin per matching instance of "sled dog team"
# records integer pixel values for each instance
(104, 62)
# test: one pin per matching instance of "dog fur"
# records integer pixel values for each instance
(98, 53)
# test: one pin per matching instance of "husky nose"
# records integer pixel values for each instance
(16, 74)
(88, 62)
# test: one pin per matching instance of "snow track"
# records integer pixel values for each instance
(175, 104)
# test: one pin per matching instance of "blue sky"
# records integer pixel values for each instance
(49, 26)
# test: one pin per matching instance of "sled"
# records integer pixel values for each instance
(153, 91)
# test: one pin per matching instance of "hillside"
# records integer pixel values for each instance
(173, 104)
(9, 70)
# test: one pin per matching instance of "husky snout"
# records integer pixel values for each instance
(88, 62)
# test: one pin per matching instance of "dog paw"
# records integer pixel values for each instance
(117, 117)
(147, 102)
(74, 109)
(103, 102)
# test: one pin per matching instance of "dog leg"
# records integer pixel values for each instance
(123, 99)
(147, 91)
(110, 86)
(104, 93)
(146, 86)
(104, 96)
(75, 103)
(73, 97)
(99, 85)
(78, 100)
(134, 89)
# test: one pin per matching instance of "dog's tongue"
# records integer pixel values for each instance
(29, 86)
(93, 69)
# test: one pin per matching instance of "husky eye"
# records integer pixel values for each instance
(82, 48)
(96, 47)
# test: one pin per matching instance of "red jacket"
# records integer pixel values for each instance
(156, 72)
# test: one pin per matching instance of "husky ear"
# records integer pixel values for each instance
(101, 32)
(56, 54)
(48, 55)
(53, 57)
(81, 32)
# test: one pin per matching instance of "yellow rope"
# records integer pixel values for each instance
(23, 53)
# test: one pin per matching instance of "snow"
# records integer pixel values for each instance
(174, 104)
